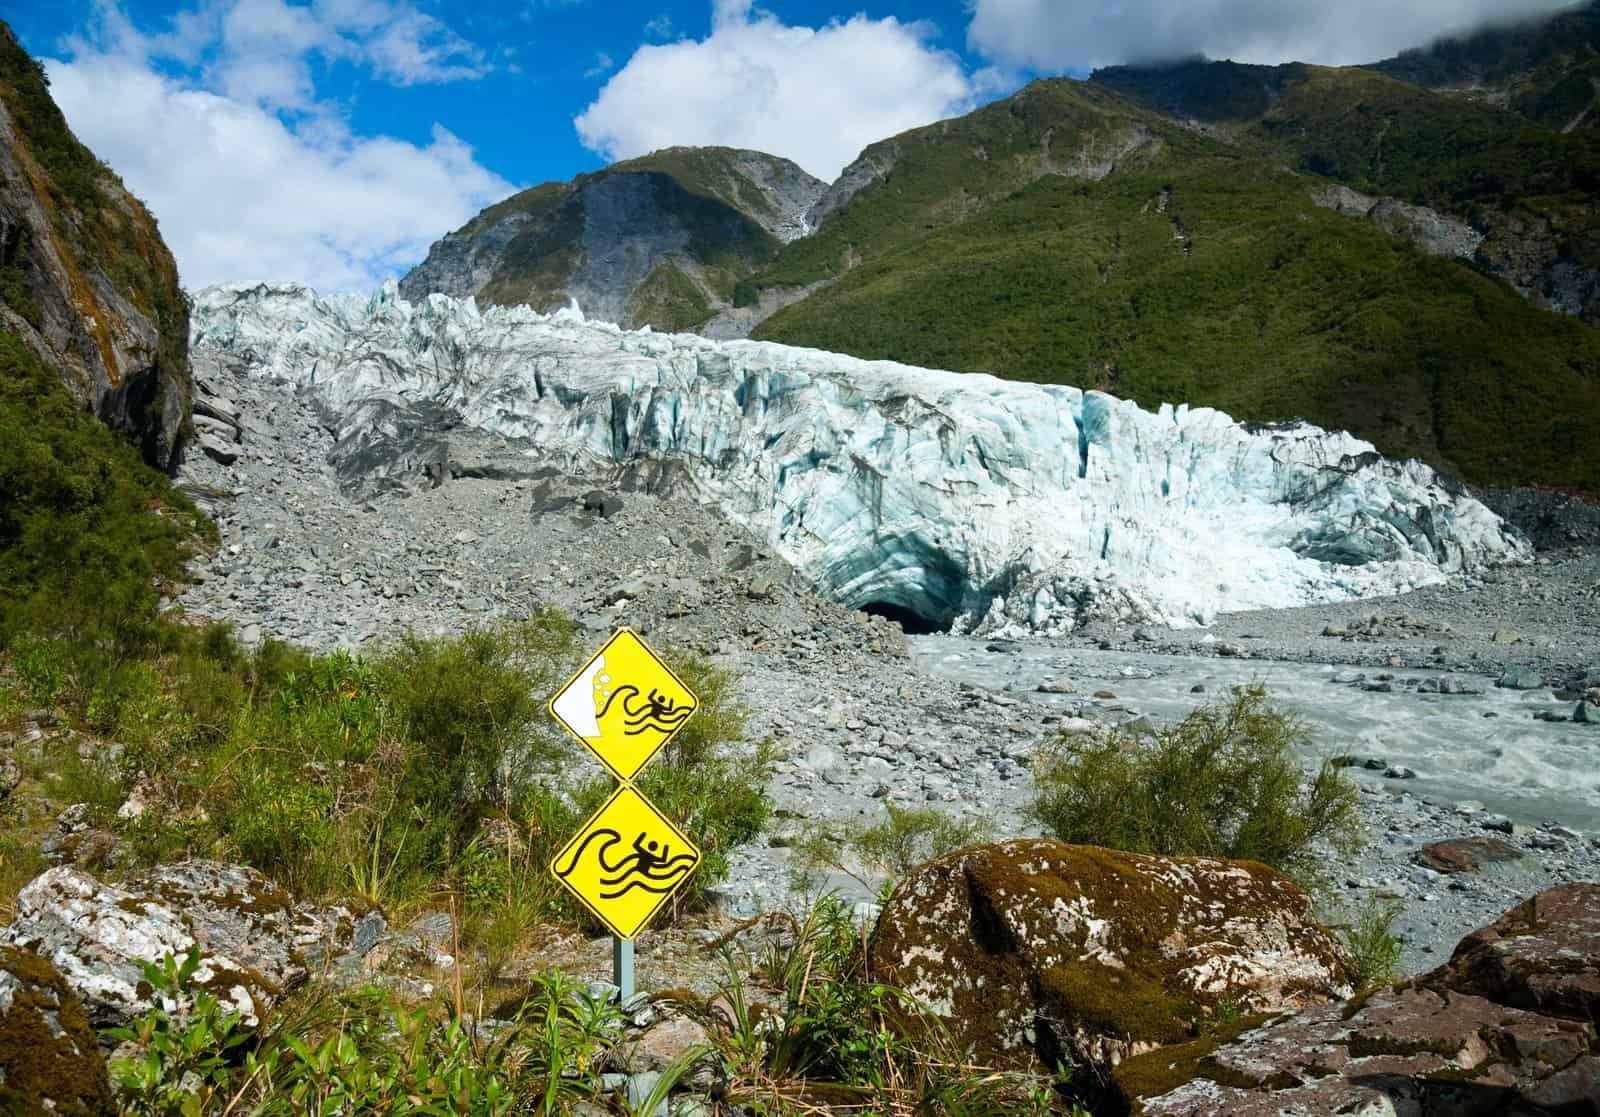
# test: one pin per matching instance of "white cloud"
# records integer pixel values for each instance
(251, 175)
(1057, 35)
(659, 28)
(603, 64)
(814, 95)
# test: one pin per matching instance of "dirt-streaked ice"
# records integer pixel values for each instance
(971, 501)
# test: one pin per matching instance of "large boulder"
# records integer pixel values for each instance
(49, 1059)
(1032, 949)
(1506, 1027)
(251, 935)
(1543, 955)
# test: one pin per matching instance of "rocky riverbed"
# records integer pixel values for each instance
(861, 714)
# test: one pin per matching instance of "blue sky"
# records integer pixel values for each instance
(330, 141)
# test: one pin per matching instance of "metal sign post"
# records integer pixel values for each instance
(628, 859)
(622, 967)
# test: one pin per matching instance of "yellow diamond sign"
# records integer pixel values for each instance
(626, 862)
(625, 704)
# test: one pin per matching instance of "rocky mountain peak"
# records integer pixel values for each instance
(661, 240)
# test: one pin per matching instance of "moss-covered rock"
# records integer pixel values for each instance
(49, 1061)
(1032, 949)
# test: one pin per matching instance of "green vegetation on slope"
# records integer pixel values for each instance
(707, 171)
(669, 300)
(1386, 137)
(941, 175)
(1223, 284)
(87, 531)
(1542, 67)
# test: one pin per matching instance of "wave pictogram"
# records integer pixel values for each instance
(654, 712)
(649, 865)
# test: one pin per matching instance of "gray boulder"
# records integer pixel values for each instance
(251, 934)
(1521, 678)
(1506, 1028)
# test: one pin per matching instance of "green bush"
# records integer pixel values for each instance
(1373, 951)
(880, 854)
(1224, 782)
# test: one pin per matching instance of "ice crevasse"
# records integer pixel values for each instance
(972, 502)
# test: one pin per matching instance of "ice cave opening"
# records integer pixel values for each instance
(911, 622)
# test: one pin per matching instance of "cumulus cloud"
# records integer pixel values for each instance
(1059, 35)
(250, 174)
(814, 95)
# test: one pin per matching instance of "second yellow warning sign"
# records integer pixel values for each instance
(625, 704)
(626, 862)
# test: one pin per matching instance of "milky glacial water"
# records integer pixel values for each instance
(1531, 771)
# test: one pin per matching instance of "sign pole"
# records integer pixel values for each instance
(622, 967)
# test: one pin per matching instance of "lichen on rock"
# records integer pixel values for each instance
(1036, 950)
(250, 934)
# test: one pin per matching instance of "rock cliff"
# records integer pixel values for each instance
(85, 280)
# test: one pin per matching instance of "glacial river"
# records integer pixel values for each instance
(1531, 771)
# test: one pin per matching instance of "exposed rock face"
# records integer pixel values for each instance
(963, 499)
(1507, 1026)
(84, 278)
(1543, 955)
(49, 1060)
(656, 241)
(1036, 949)
(1428, 229)
(249, 931)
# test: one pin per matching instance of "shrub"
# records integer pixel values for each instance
(360, 1052)
(1373, 952)
(1224, 782)
(880, 854)
(473, 709)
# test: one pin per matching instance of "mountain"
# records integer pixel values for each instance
(1333, 244)
(86, 285)
(659, 241)
(1546, 69)
(1075, 235)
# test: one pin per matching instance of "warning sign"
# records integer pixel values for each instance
(625, 704)
(626, 862)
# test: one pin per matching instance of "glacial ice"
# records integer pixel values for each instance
(971, 502)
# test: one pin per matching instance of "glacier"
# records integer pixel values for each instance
(969, 502)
